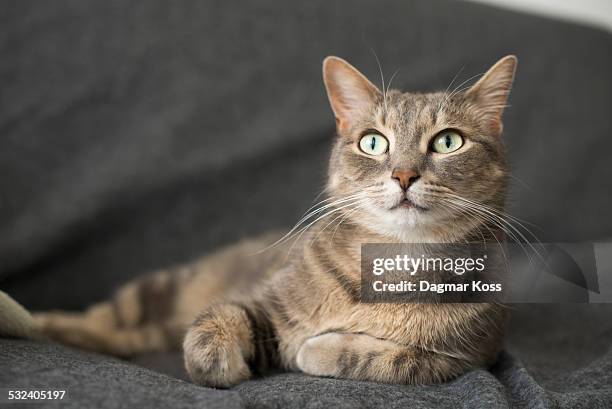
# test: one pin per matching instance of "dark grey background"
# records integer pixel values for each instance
(134, 135)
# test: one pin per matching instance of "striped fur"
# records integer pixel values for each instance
(236, 314)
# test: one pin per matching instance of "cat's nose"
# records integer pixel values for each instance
(405, 177)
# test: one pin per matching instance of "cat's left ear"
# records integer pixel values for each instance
(490, 93)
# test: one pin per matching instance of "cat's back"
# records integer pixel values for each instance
(232, 271)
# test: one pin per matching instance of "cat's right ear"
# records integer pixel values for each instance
(350, 93)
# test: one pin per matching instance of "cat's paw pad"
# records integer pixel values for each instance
(319, 355)
(213, 360)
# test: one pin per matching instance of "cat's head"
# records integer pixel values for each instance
(415, 166)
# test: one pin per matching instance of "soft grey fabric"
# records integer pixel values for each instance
(558, 368)
(98, 381)
(135, 135)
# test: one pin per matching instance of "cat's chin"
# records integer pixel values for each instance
(405, 223)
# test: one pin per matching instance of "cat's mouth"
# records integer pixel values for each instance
(406, 203)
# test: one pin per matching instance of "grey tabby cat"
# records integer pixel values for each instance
(405, 167)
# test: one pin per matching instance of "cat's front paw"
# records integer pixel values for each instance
(213, 359)
(319, 355)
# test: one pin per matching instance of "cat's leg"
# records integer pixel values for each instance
(227, 342)
(363, 357)
(122, 342)
(139, 318)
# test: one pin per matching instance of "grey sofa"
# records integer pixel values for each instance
(126, 130)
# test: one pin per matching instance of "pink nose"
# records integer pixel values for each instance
(405, 177)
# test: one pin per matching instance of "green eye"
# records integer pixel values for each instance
(447, 142)
(373, 144)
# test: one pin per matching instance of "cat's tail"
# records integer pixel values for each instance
(16, 321)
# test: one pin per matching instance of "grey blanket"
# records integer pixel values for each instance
(560, 357)
(135, 135)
